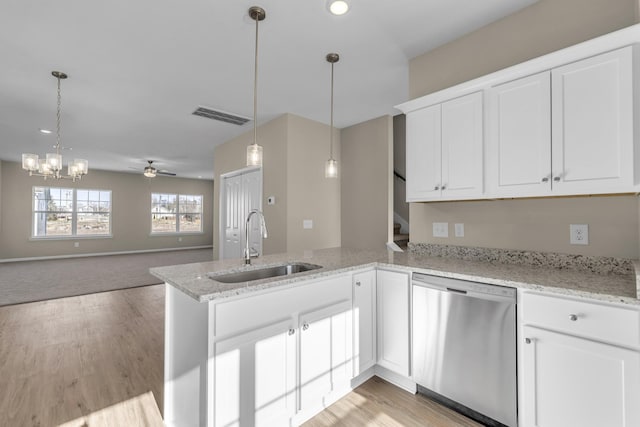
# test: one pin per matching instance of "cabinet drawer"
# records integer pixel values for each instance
(248, 313)
(602, 322)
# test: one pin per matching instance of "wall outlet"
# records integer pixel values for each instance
(459, 230)
(440, 229)
(307, 224)
(179, 239)
(76, 244)
(579, 234)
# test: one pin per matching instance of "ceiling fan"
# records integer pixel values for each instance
(150, 171)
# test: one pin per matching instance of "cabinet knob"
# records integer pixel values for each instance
(556, 179)
(436, 187)
(545, 179)
(305, 326)
(573, 317)
(527, 340)
(443, 187)
(358, 283)
(292, 331)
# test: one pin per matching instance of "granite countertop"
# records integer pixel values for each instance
(194, 280)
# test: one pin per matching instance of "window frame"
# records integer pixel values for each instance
(177, 215)
(74, 216)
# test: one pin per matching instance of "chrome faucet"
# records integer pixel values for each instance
(263, 230)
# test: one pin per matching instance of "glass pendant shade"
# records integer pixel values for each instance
(331, 169)
(30, 162)
(254, 155)
(44, 168)
(82, 166)
(54, 161)
(72, 170)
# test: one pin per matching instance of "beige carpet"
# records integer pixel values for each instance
(28, 281)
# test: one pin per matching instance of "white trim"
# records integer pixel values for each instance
(393, 246)
(141, 251)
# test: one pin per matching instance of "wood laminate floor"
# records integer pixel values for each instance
(97, 360)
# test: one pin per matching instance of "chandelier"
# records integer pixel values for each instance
(51, 166)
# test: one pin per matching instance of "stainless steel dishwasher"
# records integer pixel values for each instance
(464, 347)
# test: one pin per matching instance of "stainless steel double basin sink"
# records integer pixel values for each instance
(263, 272)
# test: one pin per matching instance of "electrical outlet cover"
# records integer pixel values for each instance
(440, 229)
(579, 234)
(459, 230)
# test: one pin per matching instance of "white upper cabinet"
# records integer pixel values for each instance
(423, 154)
(444, 150)
(519, 145)
(593, 125)
(559, 125)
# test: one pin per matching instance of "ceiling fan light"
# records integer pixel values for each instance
(150, 172)
(338, 7)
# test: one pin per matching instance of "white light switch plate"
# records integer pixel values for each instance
(440, 229)
(459, 230)
(579, 234)
(307, 224)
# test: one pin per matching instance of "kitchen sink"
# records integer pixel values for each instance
(263, 272)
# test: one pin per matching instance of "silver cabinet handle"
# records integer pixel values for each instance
(573, 317)
(358, 283)
(305, 326)
(545, 179)
(527, 340)
(556, 179)
(436, 187)
(292, 331)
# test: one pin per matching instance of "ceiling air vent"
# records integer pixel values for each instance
(221, 116)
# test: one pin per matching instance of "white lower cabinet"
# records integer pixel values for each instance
(393, 293)
(573, 374)
(325, 355)
(364, 318)
(255, 378)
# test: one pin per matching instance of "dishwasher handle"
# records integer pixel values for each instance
(465, 288)
(459, 291)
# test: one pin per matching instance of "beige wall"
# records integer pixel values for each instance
(541, 28)
(310, 194)
(295, 150)
(366, 174)
(231, 156)
(534, 224)
(131, 221)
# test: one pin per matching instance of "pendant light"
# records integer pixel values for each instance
(51, 166)
(254, 151)
(331, 168)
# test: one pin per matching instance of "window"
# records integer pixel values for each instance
(70, 212)
(176, 213)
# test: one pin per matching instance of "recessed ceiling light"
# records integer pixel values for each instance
(45, 131)
(338, 7)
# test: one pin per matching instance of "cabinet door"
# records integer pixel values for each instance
(423, 154)
(325, 354)
(255, 378)
(393, 321)
(519, 151)
(364, 317)
(462, 148)
(571, 381)
(593, 125)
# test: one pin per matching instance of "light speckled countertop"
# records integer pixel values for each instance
(193, 279)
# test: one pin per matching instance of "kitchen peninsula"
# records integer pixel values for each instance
(276, 351)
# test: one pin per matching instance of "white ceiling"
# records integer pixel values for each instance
(138, 69)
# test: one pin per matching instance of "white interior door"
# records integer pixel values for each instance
(241, 192)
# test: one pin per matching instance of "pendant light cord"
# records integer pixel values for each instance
(331, 129)
(255, 90)
(58, 119)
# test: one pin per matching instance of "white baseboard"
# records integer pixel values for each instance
(143, 251)
(396, 379)
(363, 377)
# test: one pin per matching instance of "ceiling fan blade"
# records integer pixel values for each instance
(165, 173)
